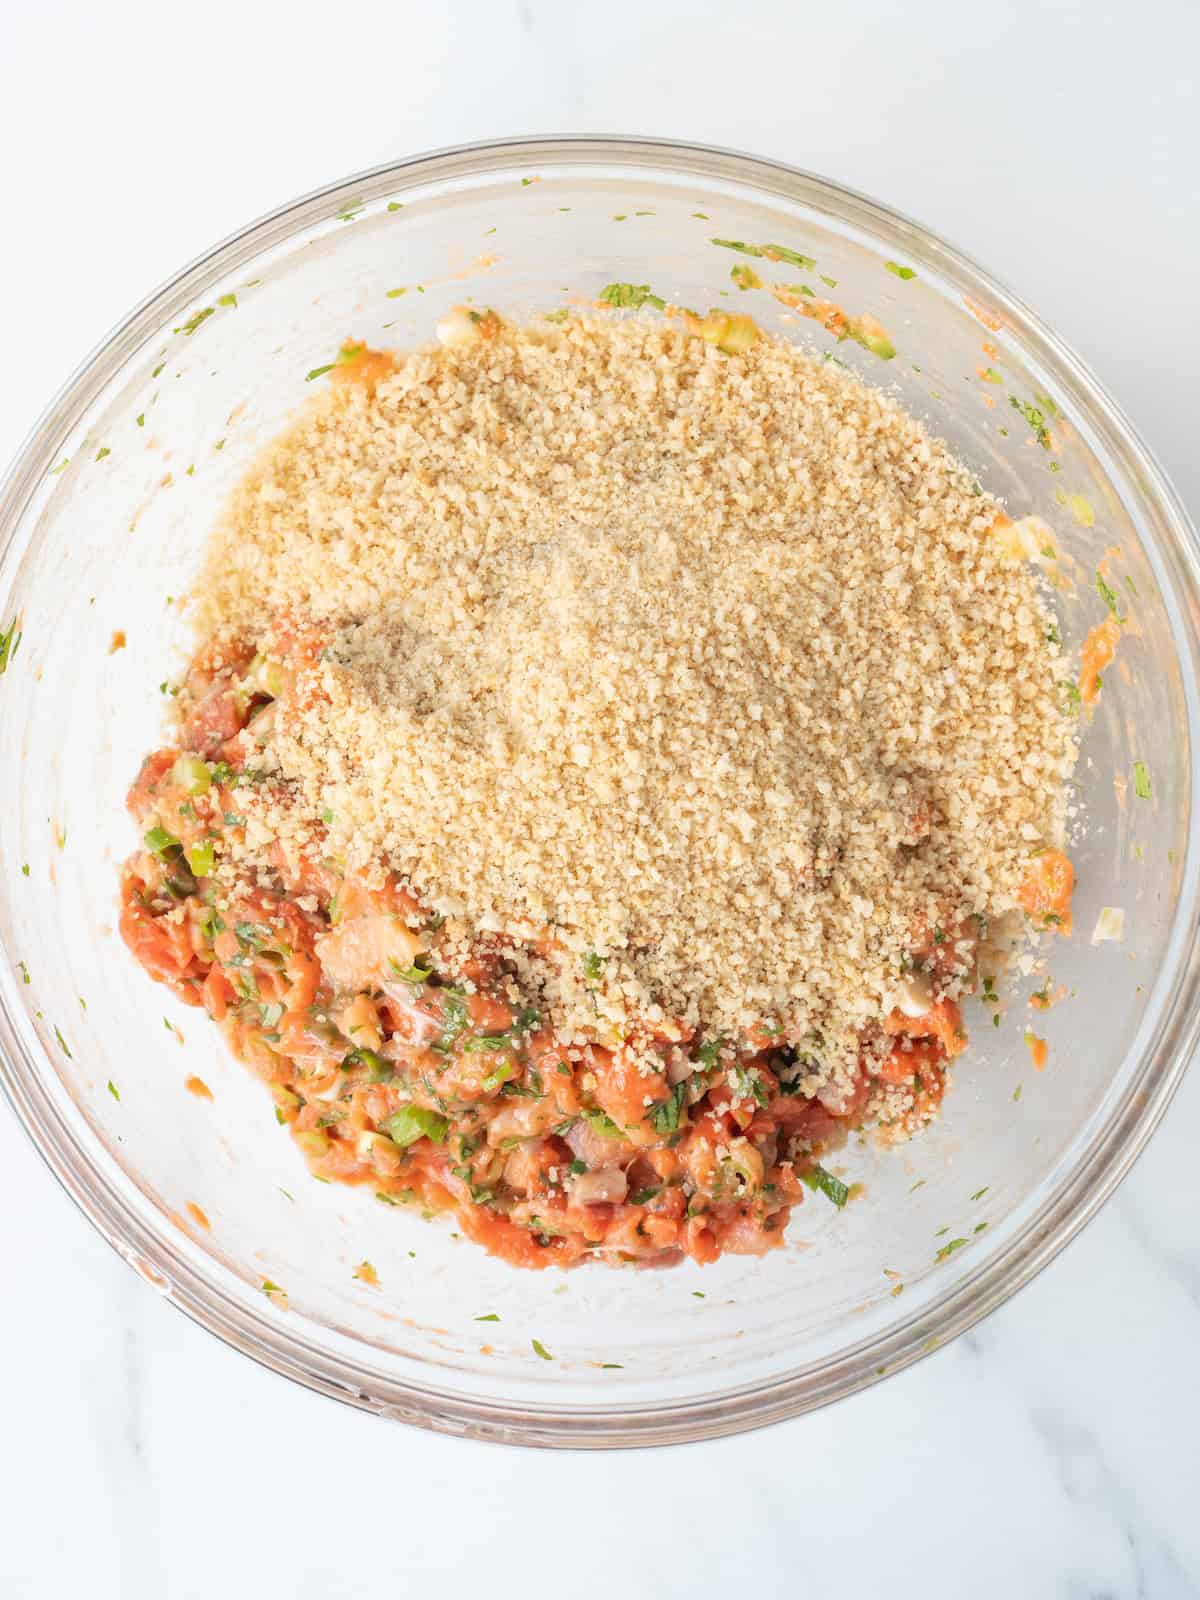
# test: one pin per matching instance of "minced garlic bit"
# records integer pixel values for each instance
(707, 664)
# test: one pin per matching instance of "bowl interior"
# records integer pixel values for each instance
(108, 512)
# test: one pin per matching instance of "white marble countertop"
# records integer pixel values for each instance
(1050, 1453)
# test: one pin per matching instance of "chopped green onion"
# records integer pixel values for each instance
(192, 775)
(411, 1123)
(832, 1188)
(201, 858)
(540, 1349)
(413, 974)
(1141, 780)
(602, 1124)
(380, 1070)
(898, 271)
(161, 843)
(502, 1074)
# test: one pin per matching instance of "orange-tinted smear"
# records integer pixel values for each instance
(365, 1273)
(1045, 892)
(358, 363)
(1046, 997)
(117, 642)
(990, 319)
(198, 1087)
(197, 1216)
(1099, 648)
(1037, 1051)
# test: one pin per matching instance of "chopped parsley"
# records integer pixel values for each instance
(898, 271)
(113, 1090)
(227, 300)
(665, 1115)
(746, 1084)
(979, 1193)
(644, 1196)
(593, 967)
(488, 1317)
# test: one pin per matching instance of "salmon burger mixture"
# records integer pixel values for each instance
(607, 751)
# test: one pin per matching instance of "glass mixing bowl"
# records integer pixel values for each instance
(103, 517)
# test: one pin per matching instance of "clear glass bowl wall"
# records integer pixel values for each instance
(155, 429)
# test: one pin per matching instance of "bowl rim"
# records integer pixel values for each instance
(1098, 1169)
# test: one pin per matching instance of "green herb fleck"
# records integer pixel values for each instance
(113, 1090)
(319, 372)
(631, 295)
(898, 271)
(745, 276)
(817, 1178)
(490, 1317)
(1035, 417)
(1109, 596)
(593, 967)
(193, 322)
(1141, 780)
(665, 1115)
(949, 1248)
(979, 1193)
(539, 1349)
(227, 300)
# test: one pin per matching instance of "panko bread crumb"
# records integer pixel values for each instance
(709, 667)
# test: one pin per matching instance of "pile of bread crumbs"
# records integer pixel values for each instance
(711, 669)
